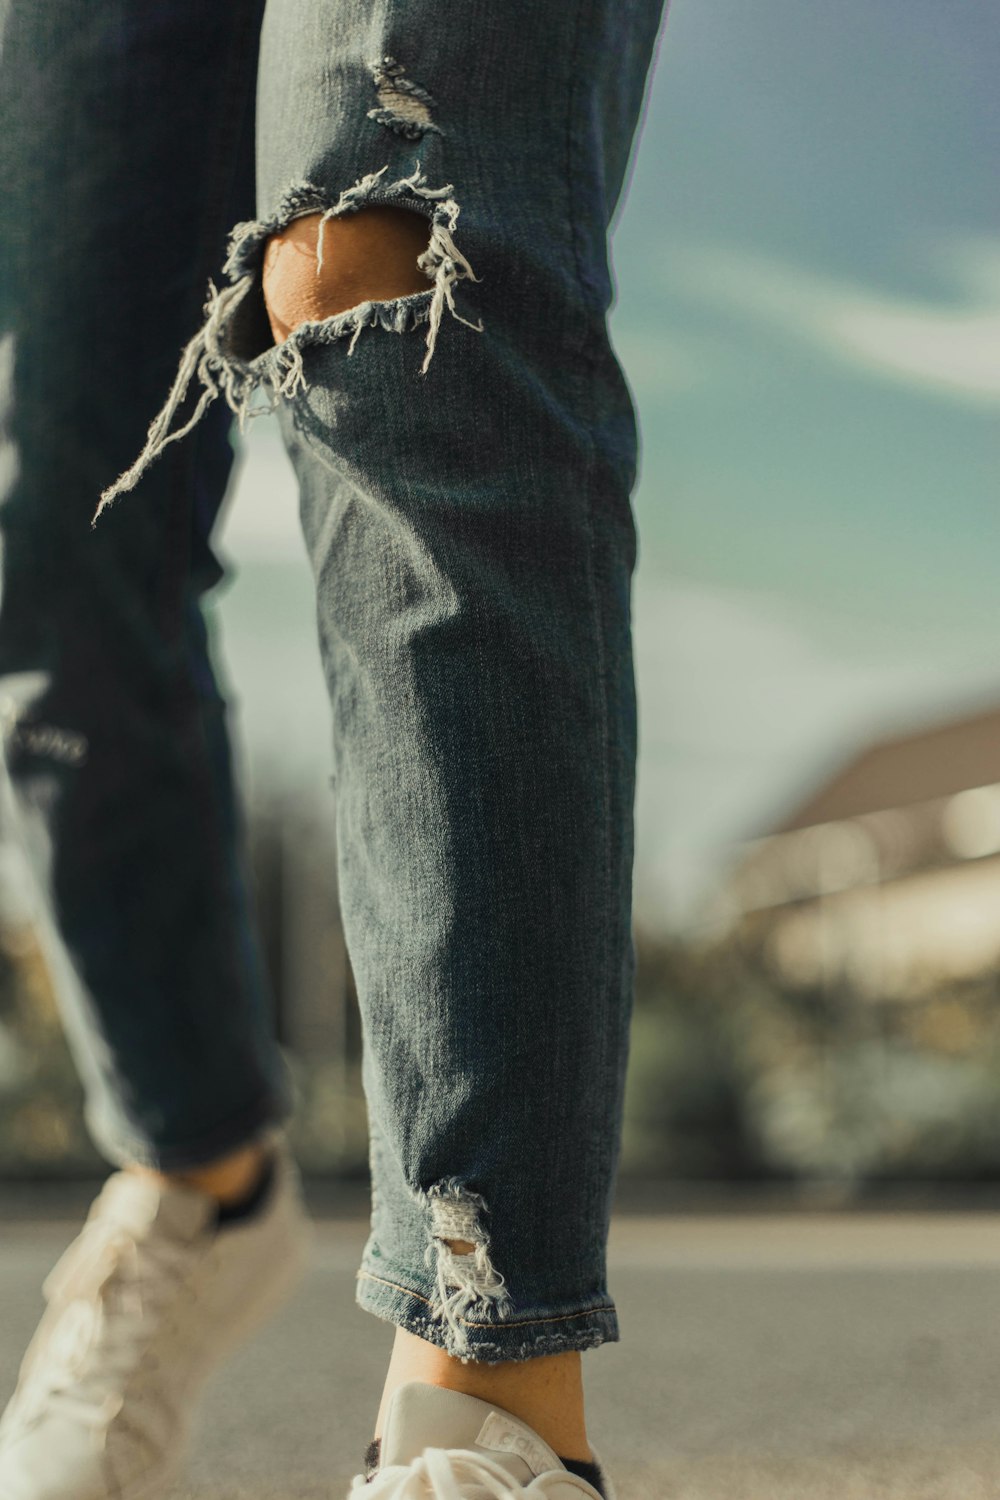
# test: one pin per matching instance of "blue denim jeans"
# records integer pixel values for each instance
(465, 457)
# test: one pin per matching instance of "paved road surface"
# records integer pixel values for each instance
(765, 1357)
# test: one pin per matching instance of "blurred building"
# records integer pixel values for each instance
(885, 881)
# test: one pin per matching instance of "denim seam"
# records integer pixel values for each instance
(586, 390)
(492, 1327)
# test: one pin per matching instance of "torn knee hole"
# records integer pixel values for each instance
(372, 275)
(315, 267)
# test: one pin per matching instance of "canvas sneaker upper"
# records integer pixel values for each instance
(441, 1445)
(147, 1300)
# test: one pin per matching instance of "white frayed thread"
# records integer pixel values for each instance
(205, 359)
(445, 264)
(197, 359)
(463, 1280)
(442, 262)
(282, 366)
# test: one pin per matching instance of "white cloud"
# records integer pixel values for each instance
(951, 348)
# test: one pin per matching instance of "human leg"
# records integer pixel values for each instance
(466, 509)
(125, 138)
(468, 521)
(546, 1392)
(126, 145)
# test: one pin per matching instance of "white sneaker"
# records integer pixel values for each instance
(142, 1306)
(441, 1445)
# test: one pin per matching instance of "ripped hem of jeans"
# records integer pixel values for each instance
(516, 1337)
(465, 1281)
(225, 356)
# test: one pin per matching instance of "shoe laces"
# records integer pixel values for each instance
(441, 1474)
(111, 1293)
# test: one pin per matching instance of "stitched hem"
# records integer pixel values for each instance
(515, 1338)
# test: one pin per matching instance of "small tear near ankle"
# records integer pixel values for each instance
(467, 1282)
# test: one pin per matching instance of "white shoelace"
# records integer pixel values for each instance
(438, 1474)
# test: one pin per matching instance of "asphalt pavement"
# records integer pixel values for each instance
(764, 1357)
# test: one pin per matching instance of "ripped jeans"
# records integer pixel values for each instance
(465, 456)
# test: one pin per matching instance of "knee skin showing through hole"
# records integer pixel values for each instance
(368, 256)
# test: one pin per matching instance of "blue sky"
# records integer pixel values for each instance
(809, 316)
(809, 302)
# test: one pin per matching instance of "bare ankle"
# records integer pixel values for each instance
(546, 1393)
(226, 1179)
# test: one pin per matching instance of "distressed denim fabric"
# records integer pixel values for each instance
(465, 457)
